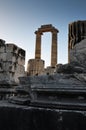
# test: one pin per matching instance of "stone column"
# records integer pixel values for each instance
(54, 49)
(38, 45)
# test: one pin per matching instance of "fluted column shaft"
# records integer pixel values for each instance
(38, 46)
(54, 49)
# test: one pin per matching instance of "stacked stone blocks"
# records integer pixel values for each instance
(12, 61)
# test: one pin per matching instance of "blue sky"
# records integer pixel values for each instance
(19, 19)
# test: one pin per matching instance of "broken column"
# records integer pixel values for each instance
(76, 33)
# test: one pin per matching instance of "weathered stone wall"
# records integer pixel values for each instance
(12, 61)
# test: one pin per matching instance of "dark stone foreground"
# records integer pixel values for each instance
(17, 117)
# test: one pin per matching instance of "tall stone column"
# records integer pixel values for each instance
(38, 45)
(54, 49)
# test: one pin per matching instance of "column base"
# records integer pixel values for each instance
(35, 66)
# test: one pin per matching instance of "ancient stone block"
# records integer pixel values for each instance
(11, 56)
(21, 52)
(2, 49)
(35, 66)
(19, 69)
(4, 76)
(21, 60)
(3, 56)
(2, 42)
(2, 45)
(19, 72)
(1, 66)
(7, 67)
(11, 48)
(49, 70)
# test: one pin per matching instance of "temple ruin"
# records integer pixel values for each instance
(54, 101)
(76, 33)
(36, 66)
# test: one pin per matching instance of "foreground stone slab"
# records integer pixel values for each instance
(18, 117)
